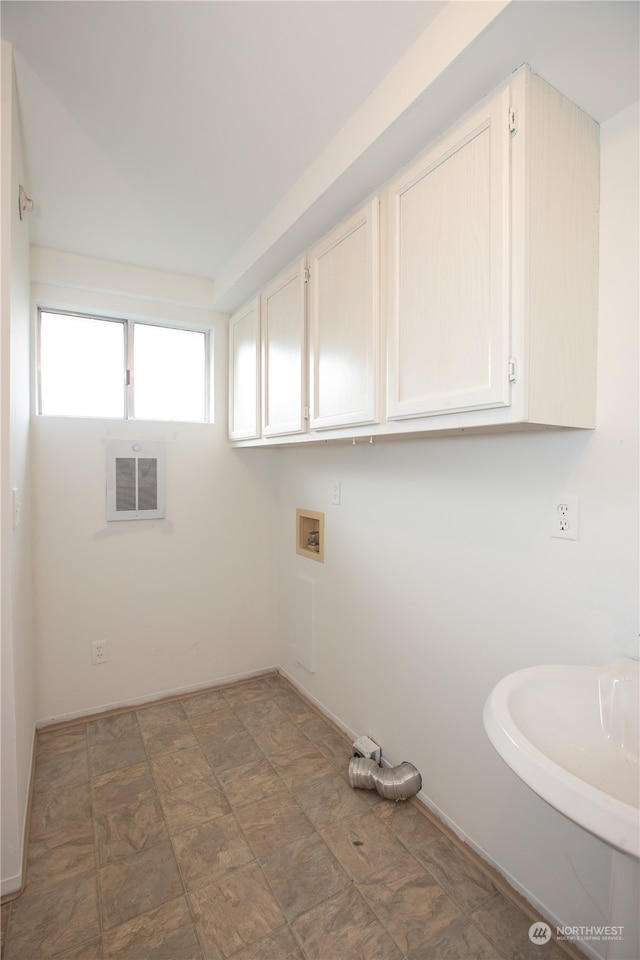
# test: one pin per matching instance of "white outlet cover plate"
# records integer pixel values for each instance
(565, 517)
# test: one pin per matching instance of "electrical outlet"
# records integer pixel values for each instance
(99, 651)
(564, 518)
(336, 492)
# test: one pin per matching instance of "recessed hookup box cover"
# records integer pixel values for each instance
(366, 747)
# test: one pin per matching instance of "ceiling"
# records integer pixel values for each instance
(169, 134)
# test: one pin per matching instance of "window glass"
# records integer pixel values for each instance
(82, 363)
(93, 367)
(169, 373)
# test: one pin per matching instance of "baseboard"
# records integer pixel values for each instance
(161, 695)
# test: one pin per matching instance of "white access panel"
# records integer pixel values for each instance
(305, 638)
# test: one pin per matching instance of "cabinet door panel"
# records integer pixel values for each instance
(449, 246)
(283, 351)
(344, 311)
(244, 373)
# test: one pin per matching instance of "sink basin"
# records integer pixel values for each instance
(571, 734)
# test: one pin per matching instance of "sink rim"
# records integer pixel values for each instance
(609, 818)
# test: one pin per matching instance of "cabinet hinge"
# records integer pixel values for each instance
(513, 121)
(513, 369)
(307, 274)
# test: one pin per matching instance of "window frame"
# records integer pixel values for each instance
(128, 372)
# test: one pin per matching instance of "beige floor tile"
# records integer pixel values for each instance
(330, 798)
(193, 804)
(211, 850)
(344, 927)
(232, 750)
(330, 744)
(152, 717)
(250, 782)
(48, 923)
(281, 945)
(5, 911)
(215, 725)
(299, 767)
(165, 933)
(122, 787)
(248, 692)
(259, 713)
(276, 738)
(116, 754)
(468, 886)
(169, 737)
(236, 911)
(273, 823)
(201, 703)
(67, 810)
(409, 824)
(410, 905)
(90, 950)
(138, 884)
(461, 940)
(177, 769)
(508, 930)
(65, 738)
(363, 845)
(58, 770)
(291, 703)
(120, 726)
(59, 855)
(128, 829)
(303, 874)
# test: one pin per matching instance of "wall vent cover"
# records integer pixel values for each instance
(135, 479)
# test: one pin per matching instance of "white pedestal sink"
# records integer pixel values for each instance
(572, 733)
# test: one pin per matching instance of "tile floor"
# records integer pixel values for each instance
(223, 825)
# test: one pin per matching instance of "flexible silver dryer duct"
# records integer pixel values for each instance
(394, 783)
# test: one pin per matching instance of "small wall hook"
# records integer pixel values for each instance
(25, 203)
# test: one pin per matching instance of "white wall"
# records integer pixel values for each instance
(18, 715)
(440, 577)
(182, 602)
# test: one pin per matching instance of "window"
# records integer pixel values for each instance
(98, 367)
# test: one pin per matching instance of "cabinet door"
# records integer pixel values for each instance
(244, 373)
(344, 322)
(283, 353)
(448, 323)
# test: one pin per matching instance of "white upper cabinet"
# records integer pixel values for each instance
(344, 323)
(448, 256)
(244, 373)
(488, 265)
(283, 353)
(493, 265)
